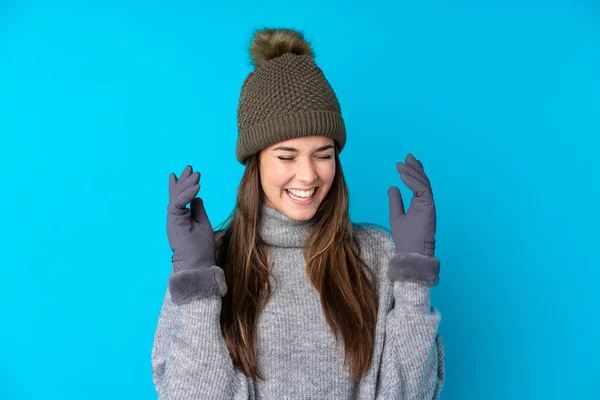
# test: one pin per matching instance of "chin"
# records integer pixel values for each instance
(299, 213)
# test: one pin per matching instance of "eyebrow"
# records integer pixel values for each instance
(329, 146)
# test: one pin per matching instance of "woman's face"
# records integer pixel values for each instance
(296, 175)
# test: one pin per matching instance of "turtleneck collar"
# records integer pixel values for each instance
(279, 230)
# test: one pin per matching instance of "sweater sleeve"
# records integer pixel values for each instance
(412, 365)
(190, 359)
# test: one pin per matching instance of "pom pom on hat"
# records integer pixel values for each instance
(268, 44)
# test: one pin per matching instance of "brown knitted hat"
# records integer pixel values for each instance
(286, 96)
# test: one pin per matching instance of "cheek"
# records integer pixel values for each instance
(326, 175)
(276, 176)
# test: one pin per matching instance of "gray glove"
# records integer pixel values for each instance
(189, 230)
(413, 231)
(191, 238)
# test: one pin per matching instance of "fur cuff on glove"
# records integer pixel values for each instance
(414, 267)
(203, 282)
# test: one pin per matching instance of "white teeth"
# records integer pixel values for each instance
(303, 194)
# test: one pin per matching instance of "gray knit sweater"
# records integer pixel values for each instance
(296, 349)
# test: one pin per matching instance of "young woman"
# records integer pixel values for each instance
(291, 300)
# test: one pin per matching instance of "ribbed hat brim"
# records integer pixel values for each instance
(301, 124)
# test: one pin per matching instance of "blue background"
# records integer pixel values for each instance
(99, 102)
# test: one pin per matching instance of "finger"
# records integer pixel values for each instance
(408, 170)
(418, 166)
(199, 212)
(172, 182)
(187, 171)
(413, 162)
(194, 179)
(186, 196)
(396, 204)
(417, 174)
(418, 187)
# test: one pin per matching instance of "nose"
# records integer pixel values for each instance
(306, 172)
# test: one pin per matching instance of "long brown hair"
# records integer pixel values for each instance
(333, 263)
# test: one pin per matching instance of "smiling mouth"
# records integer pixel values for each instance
(302, 195)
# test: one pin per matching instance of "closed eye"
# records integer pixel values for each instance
(329, 157)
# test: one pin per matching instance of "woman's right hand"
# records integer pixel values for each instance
(189, 230)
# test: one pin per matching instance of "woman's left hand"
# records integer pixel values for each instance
(413, 231)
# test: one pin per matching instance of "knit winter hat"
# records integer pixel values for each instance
(286, 96)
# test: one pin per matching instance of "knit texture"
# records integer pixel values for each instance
(288, 97)
(296, 350)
